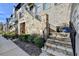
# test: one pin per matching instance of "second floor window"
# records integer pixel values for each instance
(46, 6)
(20, 14)
(38, 8)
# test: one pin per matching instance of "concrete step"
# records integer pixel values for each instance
(60, 48)
(60, 43)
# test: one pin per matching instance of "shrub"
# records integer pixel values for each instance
(10, 35)
(30, 38)
(6, 35)
(23, 37)
(1, 32)
(38, 41)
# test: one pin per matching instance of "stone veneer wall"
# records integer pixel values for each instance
(32, 25)
(58, 15)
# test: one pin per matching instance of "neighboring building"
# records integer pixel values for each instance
(7, 24)
(5, 27)
(1, 26)
(12, 24)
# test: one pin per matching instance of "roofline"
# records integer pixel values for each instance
(18, 6)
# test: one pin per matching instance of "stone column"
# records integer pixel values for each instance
(46, 29)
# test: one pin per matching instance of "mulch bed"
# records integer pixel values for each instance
(30, 48)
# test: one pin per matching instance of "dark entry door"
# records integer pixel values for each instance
(22, 28)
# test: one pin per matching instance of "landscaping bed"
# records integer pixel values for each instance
(29, 48)
(31, 44)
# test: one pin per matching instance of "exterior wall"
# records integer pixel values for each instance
(12, 24)
(58, 14)
(32, 25)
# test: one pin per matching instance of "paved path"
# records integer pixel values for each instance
(8, 48)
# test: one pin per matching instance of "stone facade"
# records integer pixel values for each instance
(11, 24)
(58, 15)
(35, 18)
(32, 25)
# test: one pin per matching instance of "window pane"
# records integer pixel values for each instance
(20, 14)
(46, 6)
(38, 8)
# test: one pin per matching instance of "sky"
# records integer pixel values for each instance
(6, 9)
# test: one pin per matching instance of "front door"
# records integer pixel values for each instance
(22, 28)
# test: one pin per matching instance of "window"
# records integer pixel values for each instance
(46, 6)
(20, 14)
(57, 4)
(38, 8)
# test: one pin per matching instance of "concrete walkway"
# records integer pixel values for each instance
(8, 48)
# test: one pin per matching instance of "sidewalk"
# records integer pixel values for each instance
(8, 48)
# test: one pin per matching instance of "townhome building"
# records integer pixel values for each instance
(4, 27)
(12, 26)
(59, 42)
(27, 21)
(47, 20)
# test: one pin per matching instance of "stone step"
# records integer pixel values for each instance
(60, 39)
(44, 54)
(63, 42)
(60, 43)
(60, 35)
(55, 53)
(60, 48)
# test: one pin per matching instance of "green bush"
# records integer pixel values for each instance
(1, 32)
(24, 37)
(30, 38)
(38, 41)
(10, 35)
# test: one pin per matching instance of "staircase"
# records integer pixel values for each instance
(58, 44)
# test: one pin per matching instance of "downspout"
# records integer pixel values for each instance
(73, 31)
